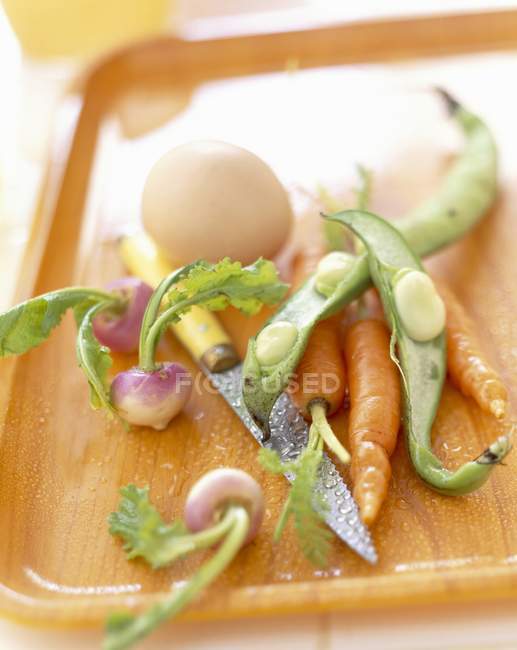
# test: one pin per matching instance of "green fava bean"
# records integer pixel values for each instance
(274, 342)
(464, 197)
(421, 363)
(331, 270)
(420, 307)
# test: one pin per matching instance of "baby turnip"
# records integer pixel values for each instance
(119, 328)
(151, 398)
(215, 491)
(224, 508)
(153, 393)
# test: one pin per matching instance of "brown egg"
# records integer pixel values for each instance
(210, 200)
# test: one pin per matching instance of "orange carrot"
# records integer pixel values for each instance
(320, 383)
(374, 387)
(467, 366)
(320, 375)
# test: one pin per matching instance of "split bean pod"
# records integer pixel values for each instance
(417, 317)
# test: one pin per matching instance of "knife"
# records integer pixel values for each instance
(201, 333)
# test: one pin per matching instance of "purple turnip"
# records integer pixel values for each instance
(151, 398)
(224, 508)
(216, 491)
(119, 328)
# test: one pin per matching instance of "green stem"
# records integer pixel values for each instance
(137, 628)
(94, 293)
(86, 292)
(185, 544)
(282, 520)
(319, 420)
(314, 437)
(153, 309)
(94, 359)
(149, 339)
(314, 443)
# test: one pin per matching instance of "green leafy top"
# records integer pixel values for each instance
(214, 287)
(138, 523)
(313, 536)
(93, 358)
(142, 528)
(229, 283)
(30, 323)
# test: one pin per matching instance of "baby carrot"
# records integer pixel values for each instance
(374, 386)
(322, 361)
(467, 366)
(320, 386)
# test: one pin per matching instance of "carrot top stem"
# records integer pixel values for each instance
(314, 444)
(324, 432)
(282, 520)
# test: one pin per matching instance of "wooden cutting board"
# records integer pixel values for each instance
(62, 464)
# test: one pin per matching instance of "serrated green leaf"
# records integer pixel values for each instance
(81, 309)
(271, 462)
(142, 528)
(313, 537)
(94, 360)
(27, 325)
(229, 283)
(211, 286)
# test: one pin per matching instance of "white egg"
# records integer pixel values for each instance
(210, 200)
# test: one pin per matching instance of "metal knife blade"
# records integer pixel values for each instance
(289, 434)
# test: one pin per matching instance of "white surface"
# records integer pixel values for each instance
(489, 626)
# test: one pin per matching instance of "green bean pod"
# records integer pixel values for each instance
(463, 198)
(423, 364)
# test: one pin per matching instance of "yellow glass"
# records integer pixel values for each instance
(80, 28)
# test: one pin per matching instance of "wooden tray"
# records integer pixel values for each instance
(62, 464)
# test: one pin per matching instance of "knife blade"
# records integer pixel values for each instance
(202, 335)
(288, 437)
